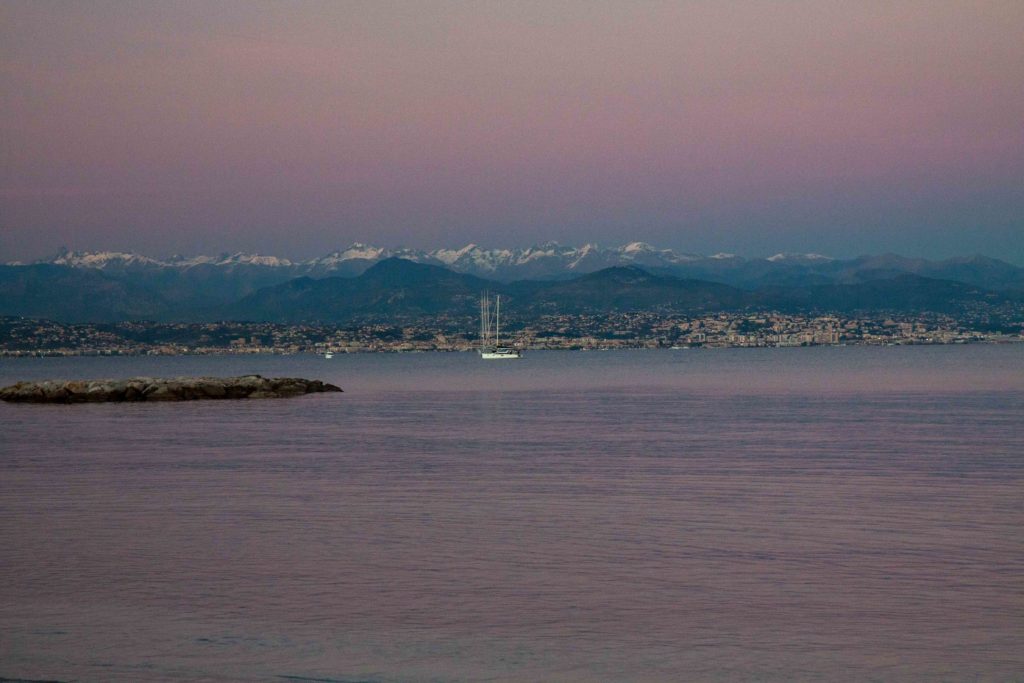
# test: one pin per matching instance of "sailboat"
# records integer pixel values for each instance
(491, 349)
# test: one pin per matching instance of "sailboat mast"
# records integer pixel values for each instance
(483, 323)
(497, 321)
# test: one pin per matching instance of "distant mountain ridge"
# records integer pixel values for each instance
(241, 273)
(402, 288)
(395, 289)
(398, 288)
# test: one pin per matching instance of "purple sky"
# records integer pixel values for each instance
(296, 127)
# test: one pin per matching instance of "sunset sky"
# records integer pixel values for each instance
(294, 128)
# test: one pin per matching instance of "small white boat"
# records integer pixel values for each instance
(328, 355)
(492, 349)
(501, 353)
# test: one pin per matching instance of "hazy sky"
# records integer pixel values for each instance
(296, 127)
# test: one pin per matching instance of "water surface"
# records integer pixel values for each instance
(770, 515)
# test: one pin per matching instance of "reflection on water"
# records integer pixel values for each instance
(840, 514)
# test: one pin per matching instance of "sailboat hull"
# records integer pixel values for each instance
(501, 354)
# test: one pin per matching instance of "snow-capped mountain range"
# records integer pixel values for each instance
(242, 272)
(541, 261)
(103, 286)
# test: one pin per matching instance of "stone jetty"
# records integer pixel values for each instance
(157, 389)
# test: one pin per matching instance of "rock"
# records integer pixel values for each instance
(25, 391)
(134, 389)
(152, 389)
(263, 394)
(54, 391)
(161, 392)
(213, 390)
(97, 393)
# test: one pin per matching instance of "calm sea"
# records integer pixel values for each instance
(704, 515)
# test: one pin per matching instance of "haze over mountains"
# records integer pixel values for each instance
(366, 281)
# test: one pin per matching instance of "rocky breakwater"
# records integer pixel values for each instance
(156, 389)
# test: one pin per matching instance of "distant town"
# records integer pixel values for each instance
(34, 337)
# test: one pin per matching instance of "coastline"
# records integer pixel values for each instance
(628, 346)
